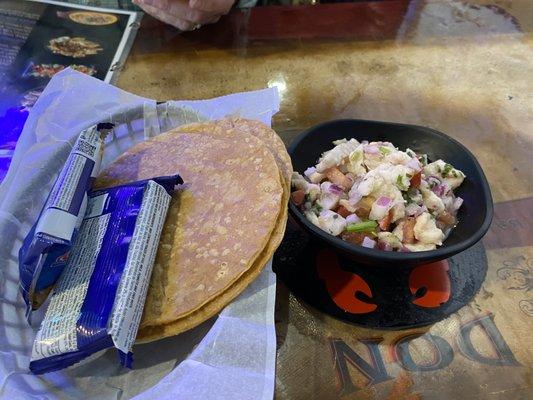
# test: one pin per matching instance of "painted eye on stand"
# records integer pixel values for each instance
(348, 290)
(430, 284)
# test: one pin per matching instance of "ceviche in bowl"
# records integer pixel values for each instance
(374, 195)
(387, 193)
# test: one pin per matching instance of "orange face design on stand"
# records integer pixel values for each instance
(341, 285)
(432, 283)
(429, 284)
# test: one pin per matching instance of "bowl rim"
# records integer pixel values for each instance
(393, 257)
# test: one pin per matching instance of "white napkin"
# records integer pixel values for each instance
(235, 352)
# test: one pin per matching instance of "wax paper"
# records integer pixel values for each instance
(230, 356)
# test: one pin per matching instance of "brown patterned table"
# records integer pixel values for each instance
(462, 67)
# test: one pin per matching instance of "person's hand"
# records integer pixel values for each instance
(186, 15)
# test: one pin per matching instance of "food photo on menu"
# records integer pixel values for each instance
(40, 39)
(225, 200)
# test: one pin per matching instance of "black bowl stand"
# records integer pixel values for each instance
(377, 297)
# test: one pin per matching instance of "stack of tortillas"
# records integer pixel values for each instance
(221, 228)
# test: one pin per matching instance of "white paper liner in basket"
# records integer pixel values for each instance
(234, 355)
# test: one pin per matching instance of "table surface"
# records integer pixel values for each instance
(462, 67)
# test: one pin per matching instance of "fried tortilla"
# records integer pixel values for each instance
(217, 227)
(215, 305)
(270, 138)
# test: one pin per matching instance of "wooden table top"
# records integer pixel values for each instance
(462, 67)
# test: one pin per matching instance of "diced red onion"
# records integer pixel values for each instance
(309, 171)
(413, 209)
(384, 246)
(336, 190)
(441, 190)
(371, 149)
(312, 188)
(457, 203)
(354, 197)
(380, 208)
(413, 163)
(327, 213)
(404, 249)
(438, 190)
(352, 219)
(383, 201)
(433, 179)
(354, 190)
(367, 242)
(324, 186)
(328, 201)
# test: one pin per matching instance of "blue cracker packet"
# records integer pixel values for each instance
(98, 301)
(45, 249)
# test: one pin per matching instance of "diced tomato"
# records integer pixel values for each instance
(409, 230)
(362, 210)
(355, 237)
(335, 176)
(440, 225)
(416, 179)
(384, 224)
(447, 219)
(342, 211)
(298, 197)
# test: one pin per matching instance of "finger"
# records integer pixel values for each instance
(184, 25)
(213, 6)
(213, 19)
(163, 4)
(197, 16)
(177, 22)
(180, 9)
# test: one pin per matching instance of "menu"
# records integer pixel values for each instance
(38, 39)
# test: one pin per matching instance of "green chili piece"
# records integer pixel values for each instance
(365, 226)
(384, 150)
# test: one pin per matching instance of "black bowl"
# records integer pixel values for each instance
(474, 216)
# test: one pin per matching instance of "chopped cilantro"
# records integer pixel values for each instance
(446, 170)
(317, 208)
(423, 159)
(454, 173)
(410, 153)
